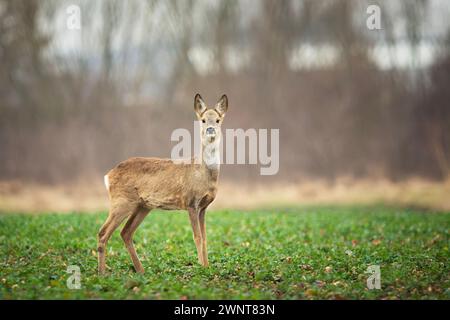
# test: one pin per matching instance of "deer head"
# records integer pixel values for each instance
(210, 118)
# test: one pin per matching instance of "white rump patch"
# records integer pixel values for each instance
(106, 179)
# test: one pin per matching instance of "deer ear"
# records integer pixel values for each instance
(199, 105)
(222, 105)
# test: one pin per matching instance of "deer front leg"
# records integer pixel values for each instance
(203, 231)
(194, 218)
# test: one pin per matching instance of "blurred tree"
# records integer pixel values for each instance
(22, 70)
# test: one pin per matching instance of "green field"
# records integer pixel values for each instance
(303, 253)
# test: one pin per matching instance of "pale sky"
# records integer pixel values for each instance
(83, 42)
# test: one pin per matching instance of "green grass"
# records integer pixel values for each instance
(305, 253)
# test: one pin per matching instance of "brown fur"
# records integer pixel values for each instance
(138, 185)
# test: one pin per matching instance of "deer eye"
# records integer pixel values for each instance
(217, 121)
(203, 121)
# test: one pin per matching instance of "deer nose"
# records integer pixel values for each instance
(210, 130)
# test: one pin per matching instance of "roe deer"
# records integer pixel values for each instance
(138, 185)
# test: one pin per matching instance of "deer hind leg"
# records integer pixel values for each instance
(117, 213)
(194, 218)
(127, 235)
(203, 233)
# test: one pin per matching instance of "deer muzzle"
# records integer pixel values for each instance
(210, 131)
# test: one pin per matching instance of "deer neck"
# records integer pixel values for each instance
(211, 157)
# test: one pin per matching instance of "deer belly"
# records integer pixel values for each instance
(169, 202)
